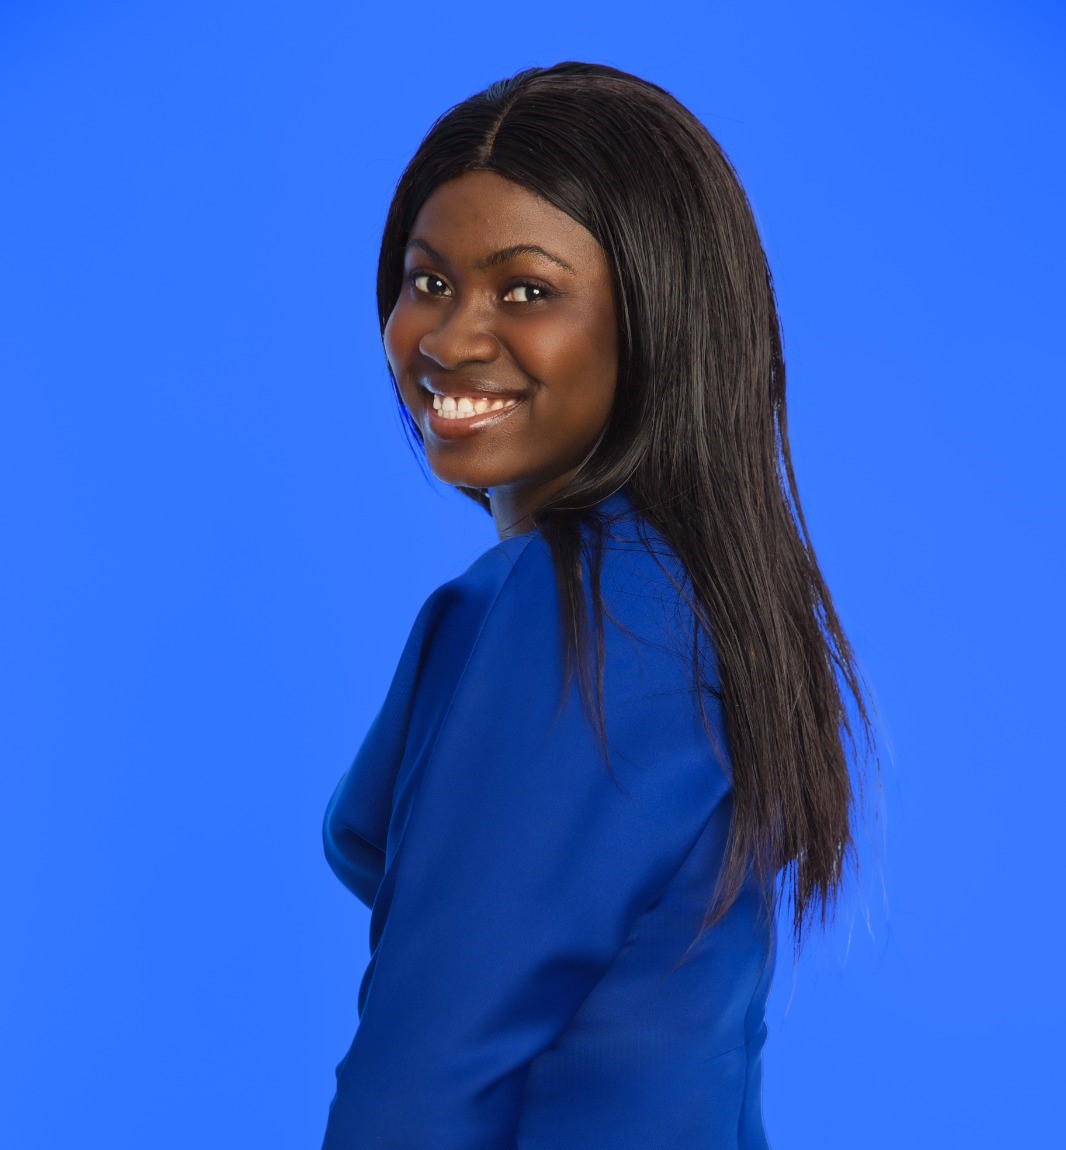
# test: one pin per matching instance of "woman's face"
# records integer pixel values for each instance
(506, 300)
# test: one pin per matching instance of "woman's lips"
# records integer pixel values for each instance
(461, 427)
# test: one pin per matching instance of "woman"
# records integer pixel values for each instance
(572, 882)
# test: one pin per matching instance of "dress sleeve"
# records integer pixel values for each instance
(515, 869)
(355, 825)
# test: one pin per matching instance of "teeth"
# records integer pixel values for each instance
(463, 407)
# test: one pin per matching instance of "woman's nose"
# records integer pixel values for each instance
(463, 334)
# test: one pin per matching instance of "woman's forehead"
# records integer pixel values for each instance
(477, 215)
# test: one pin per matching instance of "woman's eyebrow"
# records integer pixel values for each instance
(500, 257)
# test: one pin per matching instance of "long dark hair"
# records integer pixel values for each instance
(697, 437)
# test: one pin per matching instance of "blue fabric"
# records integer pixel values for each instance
(526, 909)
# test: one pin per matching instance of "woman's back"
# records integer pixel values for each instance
(528, 907)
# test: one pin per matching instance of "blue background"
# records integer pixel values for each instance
(216, 538)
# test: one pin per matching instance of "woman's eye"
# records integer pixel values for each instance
(532, 293)
(432, 285)
(427, 283)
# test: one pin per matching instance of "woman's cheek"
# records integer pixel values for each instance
(398, 338)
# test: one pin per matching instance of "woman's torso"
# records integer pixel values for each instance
(653, 1056)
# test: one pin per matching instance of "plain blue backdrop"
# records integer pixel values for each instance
(215, 537)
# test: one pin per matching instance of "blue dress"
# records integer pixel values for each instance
(526, 909)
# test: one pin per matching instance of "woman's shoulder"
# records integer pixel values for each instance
(642, 582)
(629, 545)
(461, 605)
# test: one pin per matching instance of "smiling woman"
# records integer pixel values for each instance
(489, 311)
(573, 888)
